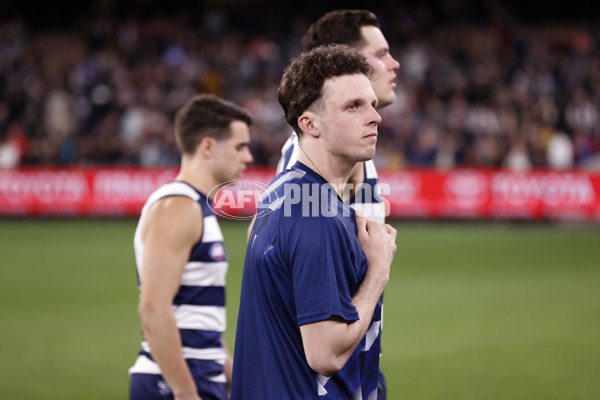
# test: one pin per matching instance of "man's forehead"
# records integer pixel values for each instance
(372, 38)
(239, 130)
(348, 87)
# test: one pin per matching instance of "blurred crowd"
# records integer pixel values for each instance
(502, 93)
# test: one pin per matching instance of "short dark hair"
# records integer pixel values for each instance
(302, 83)
(339, 27)
(206, 115)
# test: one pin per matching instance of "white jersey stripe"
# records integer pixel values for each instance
(144, 365)
(216, 354)
(373, 395)
(206, 318)
(211, 230)
(199, 273)
(288, 163)
(372, 335)
(321, 382)
(370, 170)
(357, 395)
(218, 379)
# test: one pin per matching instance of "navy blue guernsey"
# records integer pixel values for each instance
(303, 264)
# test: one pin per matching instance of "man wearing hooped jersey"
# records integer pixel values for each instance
(359, 29)
(309, 321)
(182, 263)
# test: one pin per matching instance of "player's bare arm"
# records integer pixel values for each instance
(174, 224)
(329, 344)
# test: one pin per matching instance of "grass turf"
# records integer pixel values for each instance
(472, 311)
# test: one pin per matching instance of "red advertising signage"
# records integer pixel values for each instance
(497, 194)
(455, 194)
(112, 191)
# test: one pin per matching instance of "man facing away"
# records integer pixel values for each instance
(359, 29)
(182, 263)
(310, 309)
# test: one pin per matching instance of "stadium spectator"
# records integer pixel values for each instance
(182, 263)
(522, 81)
(312, 287)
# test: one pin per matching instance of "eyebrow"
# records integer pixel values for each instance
(384, 49)
(361, 100)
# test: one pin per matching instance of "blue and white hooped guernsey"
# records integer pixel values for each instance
(368, 198)
(199, 305)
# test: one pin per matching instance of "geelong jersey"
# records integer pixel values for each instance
(199, 305)
(368, 196)
(303, 264)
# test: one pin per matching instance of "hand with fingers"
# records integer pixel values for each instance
(378, 242)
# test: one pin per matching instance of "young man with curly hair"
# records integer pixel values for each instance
(310, 311)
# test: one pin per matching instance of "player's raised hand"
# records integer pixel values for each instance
(378, 242)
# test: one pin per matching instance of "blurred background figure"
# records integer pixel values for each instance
(481, 85)
(182, 263)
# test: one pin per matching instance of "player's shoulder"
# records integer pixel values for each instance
(176, 198)
(174, 188)
(175, 216)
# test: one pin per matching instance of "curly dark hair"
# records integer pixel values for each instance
(338, 27)
(206, 115)
(302, 83)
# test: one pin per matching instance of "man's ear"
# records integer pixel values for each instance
(309, 123)
(207, 146)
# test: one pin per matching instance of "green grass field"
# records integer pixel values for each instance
(472, 311)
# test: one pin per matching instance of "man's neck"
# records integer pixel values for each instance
(198, 176)
(355, 180)
(335, 171)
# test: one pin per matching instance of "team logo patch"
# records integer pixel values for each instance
(217, 251)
